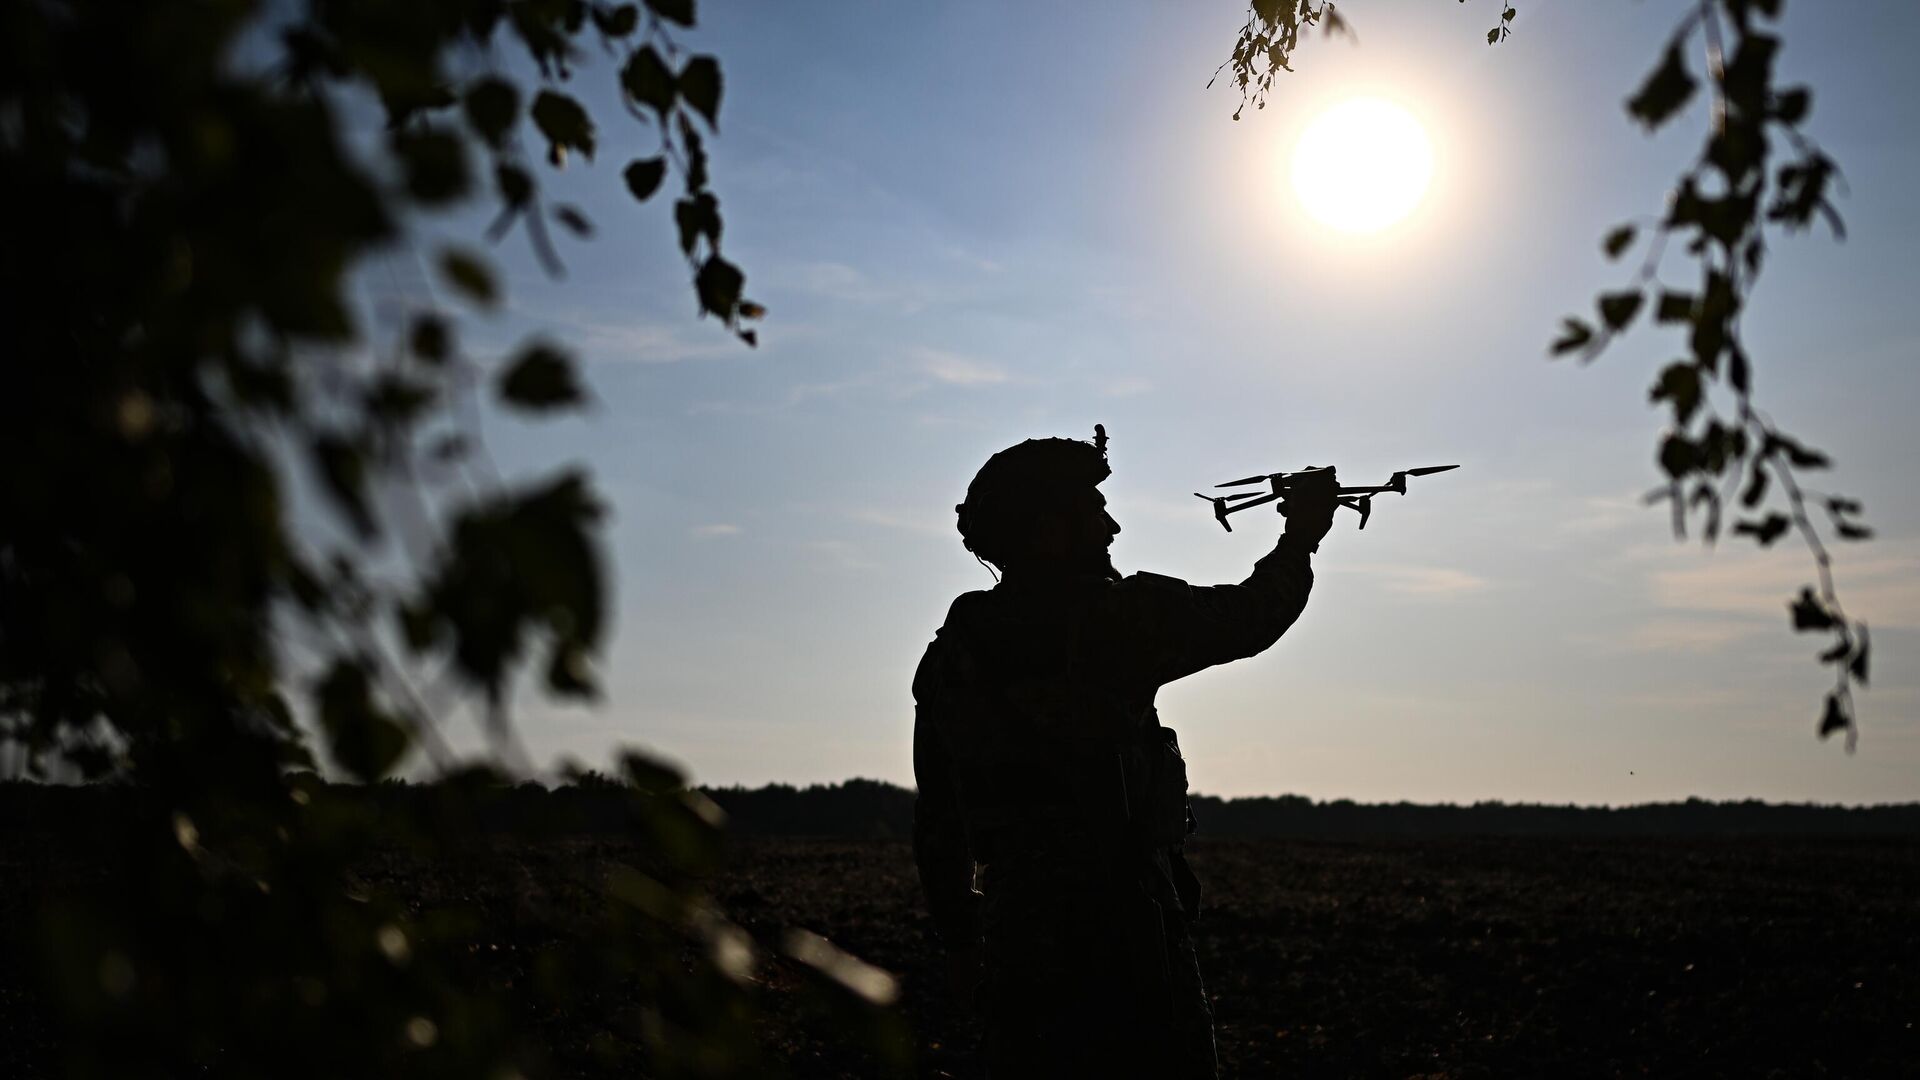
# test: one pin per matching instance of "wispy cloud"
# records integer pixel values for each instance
(1409, 579)
(1689, 634)
(1881, 586)
(1126, 386)
(930, 524)
(718, 529)
(956, 370)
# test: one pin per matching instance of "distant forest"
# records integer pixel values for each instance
(872, 809)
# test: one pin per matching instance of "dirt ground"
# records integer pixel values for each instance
(1449, 957)
(1467, 957)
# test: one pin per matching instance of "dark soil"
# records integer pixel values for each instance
(1447, 957)
(1466, 957)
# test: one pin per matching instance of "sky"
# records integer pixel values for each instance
(976, 224)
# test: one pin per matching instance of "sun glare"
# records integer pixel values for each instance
(1362, 165)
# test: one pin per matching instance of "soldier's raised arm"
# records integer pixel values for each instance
(1187, 628)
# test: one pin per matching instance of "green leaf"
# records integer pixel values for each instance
(1507, 15)
(1674, 307)
(700, 87)
(434, 162)
(1791, 106)
(617, 22)
(1679, 455)
(493, 104)
(362, 738)
(515, 184)
(1665, 91)
(647, 80)
(564, 122)
(468, 274)
(430, 339)
(719, 283)
(1810, 614)
(1834, 718)
(1618, 241)
(541, 378)
(1493, 36)
(1573, 335)
(1618, 309)
(676, 11)
(1765, 531)
(696, 217)
(643, 176)
(574, 219)
(1680, 384)
(343, 474)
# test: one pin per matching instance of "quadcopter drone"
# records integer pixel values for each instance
(1357, 499)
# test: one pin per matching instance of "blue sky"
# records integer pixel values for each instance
(974, 224)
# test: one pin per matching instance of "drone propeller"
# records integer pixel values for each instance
(1243, 483)
(1430, 470)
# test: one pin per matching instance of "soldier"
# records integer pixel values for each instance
(1052, 804)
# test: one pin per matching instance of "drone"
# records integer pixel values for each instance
(1357, 499)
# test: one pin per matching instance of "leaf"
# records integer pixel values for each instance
(541, 378)
(469, 274)
(700, 87)
(564, 122)
(1574, 335)
(1618, 241)
(1507, 15)
(430, 339)
(676, 11)
(1679, 455)
(435, 164)
(362, 739)
(1665, 91)
(1680, 384)
(617, 22)
(515, 184)
(1858, 668)
(643, 176)
(1850, 531)
(1493, 36)
(696, 217)
(1674, 307)
(1764, 531)
(647, 80)
(1834, 718)
(575, 221)
(1809, 613)
(343, 473)
(719, 283)
(1618, 309)
(492, 106)
(1836, 653)
(1756, 487)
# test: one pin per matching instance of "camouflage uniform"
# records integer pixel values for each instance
(1041, 763)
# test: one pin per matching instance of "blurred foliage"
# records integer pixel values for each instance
(229, 517)
(1723, 457)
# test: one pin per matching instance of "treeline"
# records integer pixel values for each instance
(873, 809)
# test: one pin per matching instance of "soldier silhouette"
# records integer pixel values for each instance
(1052, 804)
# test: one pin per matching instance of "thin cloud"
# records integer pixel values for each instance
(1689, 634)
(718, 529)
(1409, 579)
(1881, 587)
(956, 370)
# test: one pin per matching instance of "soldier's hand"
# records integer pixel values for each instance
(1311, 501)
(966, 971)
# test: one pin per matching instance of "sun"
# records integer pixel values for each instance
(1362, 165)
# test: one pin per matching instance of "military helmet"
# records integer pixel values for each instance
(1019, 482)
